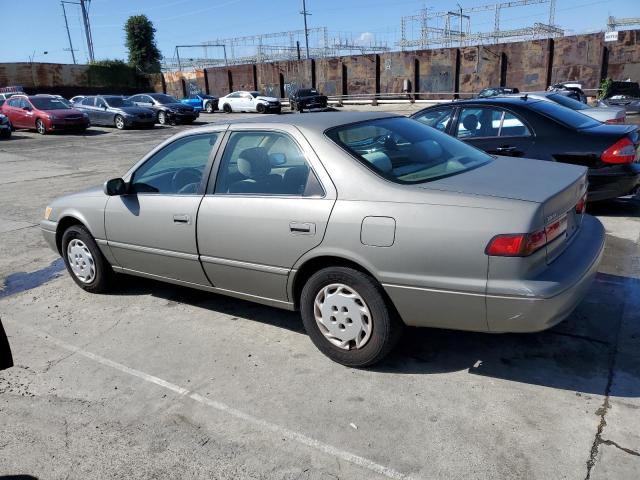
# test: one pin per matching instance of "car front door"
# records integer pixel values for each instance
(16, 114)
(102, 112)
(269, 204)
(152, 229)
(87, 105)
(438, 118)
(494, 130)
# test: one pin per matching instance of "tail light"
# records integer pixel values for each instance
(615, 121)
(524, 244)
(623, 151)
(581, 206)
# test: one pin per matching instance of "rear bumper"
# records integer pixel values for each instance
(613, 182)
(554, 294)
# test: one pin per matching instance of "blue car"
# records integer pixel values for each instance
(201, 102)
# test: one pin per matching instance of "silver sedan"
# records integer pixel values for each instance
(364, 222)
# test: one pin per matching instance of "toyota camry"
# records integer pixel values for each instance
(364, 222)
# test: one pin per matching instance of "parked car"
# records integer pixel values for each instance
(5, 96)
(495, 91)
(44, 113)
(307, 98)
(573, 89)
(5, 126)
(526, 127)
(611, 115)
(114, 111)
(625, 95)
(168, 109)
(362, 221)
(249, 102)
(77, 98)
(201, 102)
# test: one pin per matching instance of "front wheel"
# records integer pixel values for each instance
(5, 133)
(346, 316)
(84, 260)
(208, 107)
(119, 122)
(40, 128)
(260, 108)
(162, 118)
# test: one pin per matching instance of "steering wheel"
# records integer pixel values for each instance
(186, 180)
(390, 141)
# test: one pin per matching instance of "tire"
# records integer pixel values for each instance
(260, 108)
(162, 118)
(384, 328)
(278, 110)
(293, 106)
(119, 122)
(5, 134)
(226, 108)
(40, 128)
(78, 246)
(208, 107)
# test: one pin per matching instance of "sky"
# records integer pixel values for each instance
(41, 27)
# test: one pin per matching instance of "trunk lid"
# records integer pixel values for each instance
(557, 187)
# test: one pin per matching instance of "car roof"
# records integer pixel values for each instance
(320, 121)
(514, 100)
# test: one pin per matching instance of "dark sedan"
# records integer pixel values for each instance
(116, 112)
(169, 110)
(307, 98)
(525, 127)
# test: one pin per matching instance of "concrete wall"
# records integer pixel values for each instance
(279, 78)
(624, 56)
(578, 58)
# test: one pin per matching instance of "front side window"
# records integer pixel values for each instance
(265, 163)
(88, 102)
(100, 103)
(438, 119)
(177, 168)
(405, 151)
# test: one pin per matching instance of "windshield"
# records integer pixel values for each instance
(165, 99)
(118, 102)
(49, 103)
(406, 151)
(564, 115)
(255, 94)
(567, 102)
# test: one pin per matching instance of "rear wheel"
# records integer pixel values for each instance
(84, 260)
(208, 107)
(226, 108)
(346, 316)
(40, 128)
(119, 122)
(5, 133)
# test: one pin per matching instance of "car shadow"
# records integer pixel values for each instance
(628, 206)
(575, 355)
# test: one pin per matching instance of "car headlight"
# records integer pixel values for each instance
(47, 213)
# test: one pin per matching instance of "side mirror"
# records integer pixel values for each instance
(26, 109)
(277, 159)
(115, 187)
(104, 107)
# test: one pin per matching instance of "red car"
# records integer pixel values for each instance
(44, 113)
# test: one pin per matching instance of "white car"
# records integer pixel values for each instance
(249, 102)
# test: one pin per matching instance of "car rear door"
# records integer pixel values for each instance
(13, 109)
(152, 229)
(87, 105)
(494, 130)
(268, 204)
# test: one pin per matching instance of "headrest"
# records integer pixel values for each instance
(380, 160)
(254, 163)
(470, 122)
(426, 151)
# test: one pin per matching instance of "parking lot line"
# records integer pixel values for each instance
(220, 406)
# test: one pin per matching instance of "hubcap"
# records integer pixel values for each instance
(40, 127)
(119, 122)
(342, 316)
(161, 118)
(81, 261)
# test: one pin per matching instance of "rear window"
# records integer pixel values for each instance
(406, 151)
(564, 115)
(568, 102)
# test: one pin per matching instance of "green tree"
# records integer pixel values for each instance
(143, 51)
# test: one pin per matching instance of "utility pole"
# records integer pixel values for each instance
(304, 13)
(87, 28)
(66, 24)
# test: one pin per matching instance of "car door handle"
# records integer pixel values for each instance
(302, 228)
(506, 149)
(181, 218)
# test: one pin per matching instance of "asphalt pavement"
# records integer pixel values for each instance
(159, 381)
